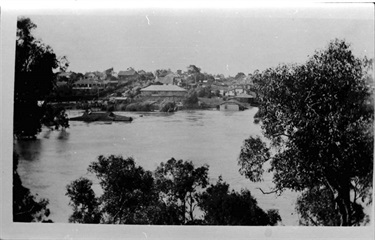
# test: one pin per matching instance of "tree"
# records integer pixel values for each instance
(26, 208)
(34, 78)
(161, 72)
(178, 181)
(74, 77)
(167, 106)
(128, 190)
(204, 92)
(224, 207)
(146, 76)
(240, 75)
(195, 72)
(192, 69)
(191, 98)
(84, 202)
(318, 117)
(55, 117)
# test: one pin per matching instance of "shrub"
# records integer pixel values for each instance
(167, 106)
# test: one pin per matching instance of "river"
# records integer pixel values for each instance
(215, 138)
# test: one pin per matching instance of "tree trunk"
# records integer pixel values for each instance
(341, 195)
(191, 208)
(184, 210)
(343, 200)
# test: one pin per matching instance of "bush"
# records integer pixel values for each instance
(167, 106)
(192, 98)
(138, 107)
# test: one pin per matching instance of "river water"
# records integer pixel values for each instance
(56, 158)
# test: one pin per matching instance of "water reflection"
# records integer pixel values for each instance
(29, 149)
(195, 117)
(47, 134)
(63, 135)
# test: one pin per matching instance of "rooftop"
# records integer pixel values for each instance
(170, 88)
(129, 72)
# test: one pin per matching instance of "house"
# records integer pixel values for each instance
(221, 89)
(234, 91)
(90, 76)
(172, 92)
(231, 105)
(129, 74)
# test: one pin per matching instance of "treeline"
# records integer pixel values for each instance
(176, 193)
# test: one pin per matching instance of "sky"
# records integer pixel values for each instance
(217, 40)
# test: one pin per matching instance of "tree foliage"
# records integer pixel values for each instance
(195, 73)
(224, 207)
(161, 72)
(173, 195)
(204, 92)
(84, 202)
(178, 181)
(128, 190)
(191, 98)
(192, 69)
(34, 78)
(240, 75)
(318, 117)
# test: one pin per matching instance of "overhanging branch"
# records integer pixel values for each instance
(274, 191)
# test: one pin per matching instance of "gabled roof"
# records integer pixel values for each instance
(129, 72)
(169, 88)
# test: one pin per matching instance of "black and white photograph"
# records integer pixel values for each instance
(189, 119)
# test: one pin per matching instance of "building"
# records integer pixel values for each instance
(218, 89)
(231, 105)
(172, 92)
(129, 74)
(90, 76)
(235, 91)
